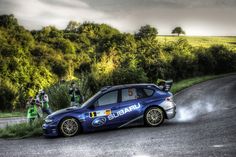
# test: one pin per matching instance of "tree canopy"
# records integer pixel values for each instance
(178, 31)
(146, 32)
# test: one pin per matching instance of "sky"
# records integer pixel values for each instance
(196, 17)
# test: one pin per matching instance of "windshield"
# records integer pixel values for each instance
(90, 99)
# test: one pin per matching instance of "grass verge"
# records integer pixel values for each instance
(178, 86)
(11, 114)
(25, 130)
(22, 130)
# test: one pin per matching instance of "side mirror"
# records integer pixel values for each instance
(91, 107)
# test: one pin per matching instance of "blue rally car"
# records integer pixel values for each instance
(114, 107)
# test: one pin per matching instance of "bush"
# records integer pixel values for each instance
(59, 93)
(205, 60)
(225, 59)
(22, 130)
(58, 96)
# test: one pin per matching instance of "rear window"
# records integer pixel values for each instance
(148, 92)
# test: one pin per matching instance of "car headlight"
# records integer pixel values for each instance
(48, 120)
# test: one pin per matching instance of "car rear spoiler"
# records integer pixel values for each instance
(165, 85)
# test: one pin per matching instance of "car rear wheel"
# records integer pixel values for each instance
(69, 127)
(154, 116)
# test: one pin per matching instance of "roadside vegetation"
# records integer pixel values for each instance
(22, 130)
(95, 55)
(178, 86)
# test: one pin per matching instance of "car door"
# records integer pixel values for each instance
(103, 107)
(130, 107)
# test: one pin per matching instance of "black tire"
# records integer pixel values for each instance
(69, 127)
(154, 116)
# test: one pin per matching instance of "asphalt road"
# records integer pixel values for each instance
(205, 125)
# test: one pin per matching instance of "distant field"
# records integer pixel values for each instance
(202, 41)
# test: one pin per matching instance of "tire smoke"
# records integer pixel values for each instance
(193, 111)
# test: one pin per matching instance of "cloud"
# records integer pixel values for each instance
(119, 5)
(197, 17)
(37, 13)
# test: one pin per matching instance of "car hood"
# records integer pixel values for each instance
(65, 110)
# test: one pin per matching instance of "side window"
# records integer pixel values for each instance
(129, 94)
(132, 94)
(108, 98)
(149, 92)
(140, 93)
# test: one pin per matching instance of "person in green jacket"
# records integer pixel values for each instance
(32, 113)
(75, 95)
(42, 97)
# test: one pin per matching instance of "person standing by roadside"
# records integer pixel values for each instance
(32, 113)
(75, 95)
(42, 97)
(39, 108)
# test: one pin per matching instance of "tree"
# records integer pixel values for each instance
(178, 31)
(121, 42)
(47, 33)
(65, 45)
(72, 26)
(146, 32)
(8, 21)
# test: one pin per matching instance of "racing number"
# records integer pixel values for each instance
(93, 114)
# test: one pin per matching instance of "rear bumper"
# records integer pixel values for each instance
(170, 113)
(170, 108)
(50, 130)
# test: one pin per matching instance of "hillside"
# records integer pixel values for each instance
(95, 55)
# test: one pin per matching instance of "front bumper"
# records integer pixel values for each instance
(50, 130)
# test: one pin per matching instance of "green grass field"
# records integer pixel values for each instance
(201, 41)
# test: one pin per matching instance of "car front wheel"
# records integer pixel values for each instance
(69, 127)
(154, 116)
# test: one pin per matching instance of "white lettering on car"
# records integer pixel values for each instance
(124, 111)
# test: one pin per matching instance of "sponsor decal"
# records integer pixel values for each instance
(100, 113)
(100, 121)
(124, 111)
